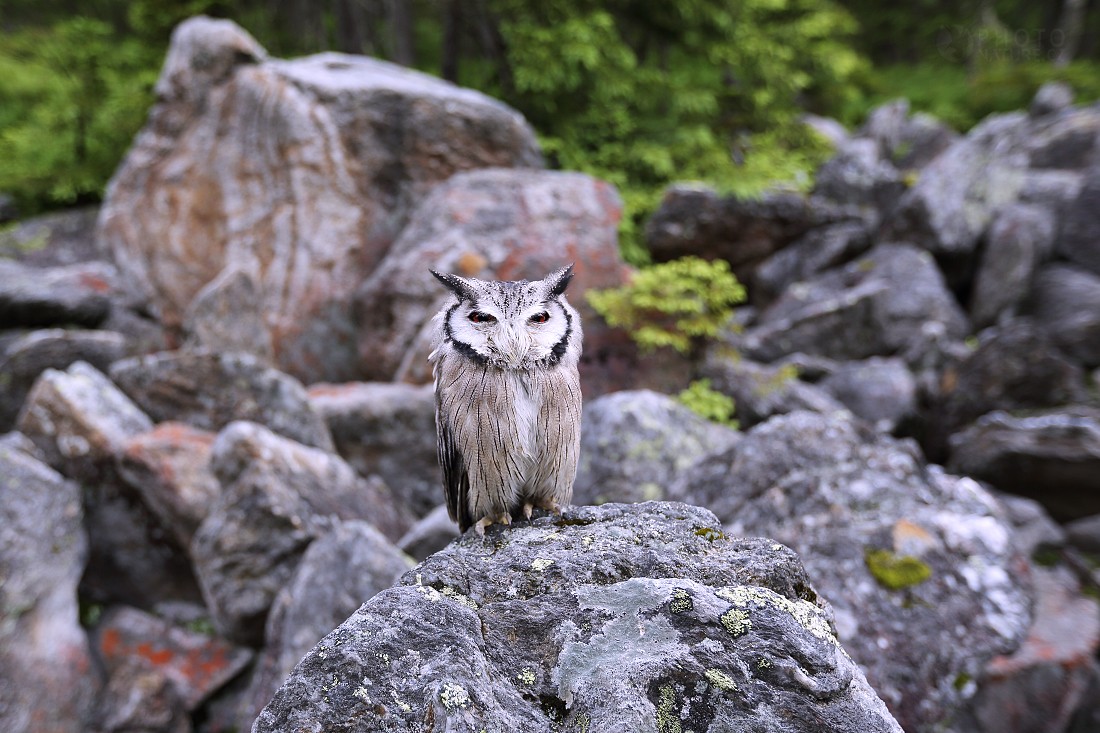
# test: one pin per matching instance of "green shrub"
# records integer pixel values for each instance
(675, 304)
(706, 402)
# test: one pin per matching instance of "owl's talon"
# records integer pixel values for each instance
(528, 507)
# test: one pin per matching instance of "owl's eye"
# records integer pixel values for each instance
(482, 317)
(540, 317)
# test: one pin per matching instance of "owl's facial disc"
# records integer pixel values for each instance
(521, 339)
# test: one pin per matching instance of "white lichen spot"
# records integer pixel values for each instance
(540, 564)
(362, 693)
(720, 679)
(454, 696)
(777, 547)
(587, 541)
(526, 676)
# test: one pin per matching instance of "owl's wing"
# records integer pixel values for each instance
(456, 481)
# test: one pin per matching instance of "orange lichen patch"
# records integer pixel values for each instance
(202, 665)
(194, 663)
(109, 643)
(159, 656)
(471, 263)
(911, 539)
(325, 389)
(94, 282)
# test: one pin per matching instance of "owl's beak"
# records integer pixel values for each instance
(513, 345)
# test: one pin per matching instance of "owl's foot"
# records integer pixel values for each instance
(546, 504)
(502, 518)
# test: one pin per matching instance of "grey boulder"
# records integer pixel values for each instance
(920, 568)
(209, 390)
(615, 618)
(634, 442)
(386, 429)
(47, 676)
(1052, 456)
(340, 571)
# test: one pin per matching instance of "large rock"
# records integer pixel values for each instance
(880, 390)
(300, 173)
(132, 643)
(37, 297)
(909, 141)
(53, 240)
(54, 348)
(956, 195)
(892, 301)
(760, 391)
(209, 390)
(493, 224)
(919, 566)
(1066, 300)
(1079, 236)
(634, 442)
(227, 315)
(387, 430)
(1019, 240)
(168, 467)
(860, 174)
(612, 618)
(1015, 367)
(818, 250)
(278, 496)
(695, 220)
(339, 572)
(81, 422)
(48, 681)
(1052, 456)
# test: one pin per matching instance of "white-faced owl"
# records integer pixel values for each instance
(508, 397)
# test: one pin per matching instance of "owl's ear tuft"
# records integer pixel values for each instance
(558, 280)
(457, 285)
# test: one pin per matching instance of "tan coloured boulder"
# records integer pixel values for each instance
(298, 173)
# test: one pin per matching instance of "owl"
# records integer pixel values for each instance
(508, 397)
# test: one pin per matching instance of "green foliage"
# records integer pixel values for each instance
(72, 99)
(962, 97)
(708, 403)
(645, 93)
(674, 304)
(896, 572)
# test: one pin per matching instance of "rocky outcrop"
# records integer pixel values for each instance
(278, 497)
(337, 573)
(644, 617)
(26, 357)
(892, 301)
(299, 173)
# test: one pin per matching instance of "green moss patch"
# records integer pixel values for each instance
(895, 572)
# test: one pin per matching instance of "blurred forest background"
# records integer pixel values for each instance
(638, 92)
